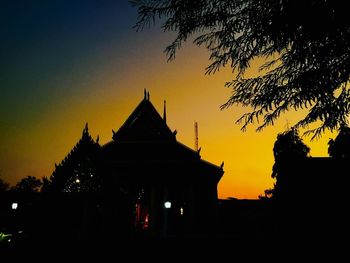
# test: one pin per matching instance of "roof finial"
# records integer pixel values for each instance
(86, 129)
(148, 95)
(222, 165)
(145, 94)
(164, 112)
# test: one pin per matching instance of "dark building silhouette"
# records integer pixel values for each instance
(164, 186)
(315, 200)
(143, 183)
(78, 171)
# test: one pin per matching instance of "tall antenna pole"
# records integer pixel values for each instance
(196, 136)
(164, 111)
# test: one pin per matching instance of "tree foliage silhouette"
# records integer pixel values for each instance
(29, 184)
(305, 44)
(340, 147)
(288, 149)
(4, 186)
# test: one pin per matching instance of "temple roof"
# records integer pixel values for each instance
(144, 123)
(79, 160)
(145, 138)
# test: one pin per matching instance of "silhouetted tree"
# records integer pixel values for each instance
(4, 186)
(268, 193)
(29, 184)
(46, 184)
(288, 150)
(340, 147)
(305, 45)
(78, 171)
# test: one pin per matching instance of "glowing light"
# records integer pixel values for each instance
(77, 181)
(181, 211)
(4, 237)
(167, 204)
(14, 206)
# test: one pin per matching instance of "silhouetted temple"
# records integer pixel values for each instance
(164, 186)
(143, 182)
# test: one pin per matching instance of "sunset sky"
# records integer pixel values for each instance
(67, 62)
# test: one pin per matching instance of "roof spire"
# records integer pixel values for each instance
(222, 165)
(164, 112)
(145, 94)
(86, 129)
(148, 95)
